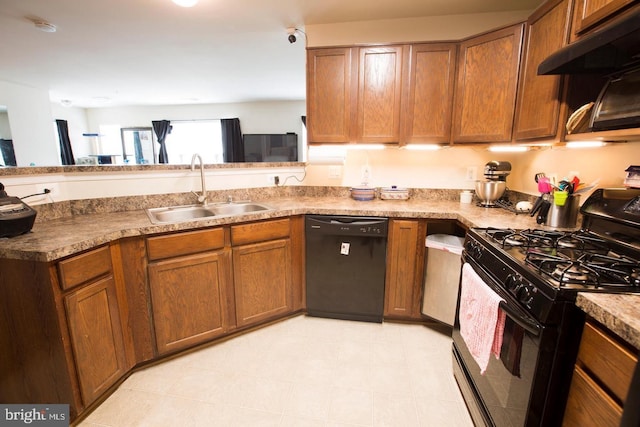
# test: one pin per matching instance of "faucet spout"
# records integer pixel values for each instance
(202, 197)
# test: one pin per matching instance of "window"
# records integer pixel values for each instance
(198, 136)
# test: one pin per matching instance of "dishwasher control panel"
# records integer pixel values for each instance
(347, 225)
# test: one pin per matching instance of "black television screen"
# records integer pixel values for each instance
(264, 147)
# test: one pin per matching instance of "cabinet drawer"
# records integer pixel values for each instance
(84, 267)
(607, 360)
(589, 405)
(190, 242)
(260, 231)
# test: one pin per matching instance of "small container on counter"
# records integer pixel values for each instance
(394, 193)
(363, 194)
(466, 196)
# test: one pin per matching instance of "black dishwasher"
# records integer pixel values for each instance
(345, 262)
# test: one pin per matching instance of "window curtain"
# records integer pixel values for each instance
(162, 128)
(232, 148)
(66, 153)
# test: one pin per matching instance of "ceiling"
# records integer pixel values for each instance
(153, 52)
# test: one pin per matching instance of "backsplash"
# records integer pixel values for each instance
(68, 208)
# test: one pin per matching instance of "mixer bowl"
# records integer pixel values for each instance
(489, 192)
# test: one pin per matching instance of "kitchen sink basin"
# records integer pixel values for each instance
(237, 208)
(196, 212)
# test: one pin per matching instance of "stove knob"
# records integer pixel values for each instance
(512, 283)
(525, 295)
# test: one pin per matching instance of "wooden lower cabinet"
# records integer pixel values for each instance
(96, 337)
(601, 379)
(189, 299)
(262, 281)
(405, 265)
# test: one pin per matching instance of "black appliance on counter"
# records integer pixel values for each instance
(16, 217)
(538, 274)
(345, 266)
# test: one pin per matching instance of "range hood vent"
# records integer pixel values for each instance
(610, 49)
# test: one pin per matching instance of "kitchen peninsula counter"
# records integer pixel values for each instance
(57, 238)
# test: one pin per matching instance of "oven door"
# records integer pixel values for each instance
(508, 393)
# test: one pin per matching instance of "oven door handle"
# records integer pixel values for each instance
(517, 315)
(527, 324)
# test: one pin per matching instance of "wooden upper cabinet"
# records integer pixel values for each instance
(538, 108)
(589, 13)
(329, 95)
(428, 92)
(379, 94)
(486, 86)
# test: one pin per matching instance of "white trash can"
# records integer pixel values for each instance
(442, 277)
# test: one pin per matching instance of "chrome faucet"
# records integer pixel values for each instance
(202, 197)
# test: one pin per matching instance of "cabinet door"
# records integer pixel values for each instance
(188, 296)
(405, 265)
(262, 279)
(589, 405)
(428, 93)
(379, 94)
(96, 337)
(486, 86)
(329, 95)
(589, 13)
(538, 110)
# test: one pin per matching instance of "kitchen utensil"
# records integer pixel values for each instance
(543, 211)
(587, 188)
(560, 197)
(536, 206)
(544, 185)
(489, 192)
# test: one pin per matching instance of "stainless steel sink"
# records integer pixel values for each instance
(197, 212)
(238, 208)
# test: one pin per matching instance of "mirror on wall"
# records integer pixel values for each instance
(7, 154)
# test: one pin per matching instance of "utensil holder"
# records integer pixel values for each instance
(564, 216)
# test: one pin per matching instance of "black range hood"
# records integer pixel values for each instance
(612, 48)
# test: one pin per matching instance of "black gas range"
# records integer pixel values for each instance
(538, 273)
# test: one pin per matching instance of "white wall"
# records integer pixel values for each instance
(255, 117)
(32, 127)
(446, 168)
(5, 129)
(95, 185)
(428, 28)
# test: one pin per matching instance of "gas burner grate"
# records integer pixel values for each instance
(614, 269)
(588, 270)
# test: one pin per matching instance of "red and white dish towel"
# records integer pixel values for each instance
(481, 320)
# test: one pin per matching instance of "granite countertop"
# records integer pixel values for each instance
(618, 312)
(57, 238)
